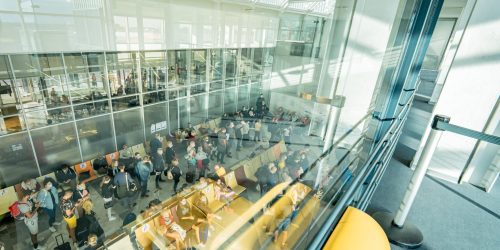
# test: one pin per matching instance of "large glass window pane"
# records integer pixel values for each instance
(215, 72)
(155, 119)
(154, 70)
(154, 97)
(246, 62)
(177, 67)
(183, 112)
(17, 161)
(198, 66)
(122, 73)
(173, 121)
(125, 102)
(215, 105)
(128, 128)
(255, 91)
(257, 61)
(38, 116)
(230, 100)
(91, 109)
(231, 62)
(41, 80)
(55, 145)
(86, 77)
(96, 136)
(243, 93)
(198, 109)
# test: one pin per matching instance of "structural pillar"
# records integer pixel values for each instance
(399, 232)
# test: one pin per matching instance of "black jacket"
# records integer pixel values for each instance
(62, 177)
(176, 173)
(155, 144)
(158, 163)
(169, 155)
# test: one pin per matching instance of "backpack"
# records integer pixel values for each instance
(15, 212)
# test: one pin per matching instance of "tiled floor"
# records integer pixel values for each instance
(16, 235)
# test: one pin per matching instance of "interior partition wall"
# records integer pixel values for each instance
(68, 107)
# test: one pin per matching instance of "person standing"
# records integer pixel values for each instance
(126, 155)
(48, 202)
(176, 173)
(143, 170)
(158, 167)
(239, 135)
(125, 186)
(169, 154)
(155, 143)
(201, 162)
(107, 192)
(30, 213)
(221, 145)
(231, 137)
(257, 127)
(68, 208)
(245, 129)
(262, 173)
(100, 164)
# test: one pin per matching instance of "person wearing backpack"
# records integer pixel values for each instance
(49, 201)
(29, 213)
(92, 225)
(143, 169)
(125, 188)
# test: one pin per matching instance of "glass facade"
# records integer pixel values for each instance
(70, 107)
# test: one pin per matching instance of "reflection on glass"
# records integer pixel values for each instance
(55, 145)
(243, 93)
(91, 109)
(231, 62)
(246, 62)
(38, 116)
(215, 72)
(96, 136)
(177, 67)
(154, 70)
(17, 162)
(128, 128)
(215, 105)
(230, 100)
(11, 124)
(198, 109)
(154, 97)
(183, 113)
(155, 119)
(257, 61)
(198, 66)
(125, 102)
(255, 91)
(122, 73)
(85, 76)
(173, 118)
(199, 88)
(215, 85)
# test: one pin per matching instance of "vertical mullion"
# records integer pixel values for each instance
(110, 102)
(72, 107)
(24, 116)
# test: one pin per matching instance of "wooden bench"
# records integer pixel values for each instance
(230, 180)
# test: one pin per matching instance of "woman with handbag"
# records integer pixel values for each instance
(107, 192)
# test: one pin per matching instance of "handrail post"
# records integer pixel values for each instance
(397, 231)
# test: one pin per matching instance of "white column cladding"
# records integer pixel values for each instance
(470, 89)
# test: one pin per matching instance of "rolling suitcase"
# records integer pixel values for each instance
(64, 245)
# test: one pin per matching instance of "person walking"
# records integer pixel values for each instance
(158, 167)
(143, 170)
(176, 173)
(48, 202)
(30, 213)
(201, 162)
(107, 192)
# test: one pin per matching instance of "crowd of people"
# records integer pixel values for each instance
(126, 179)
